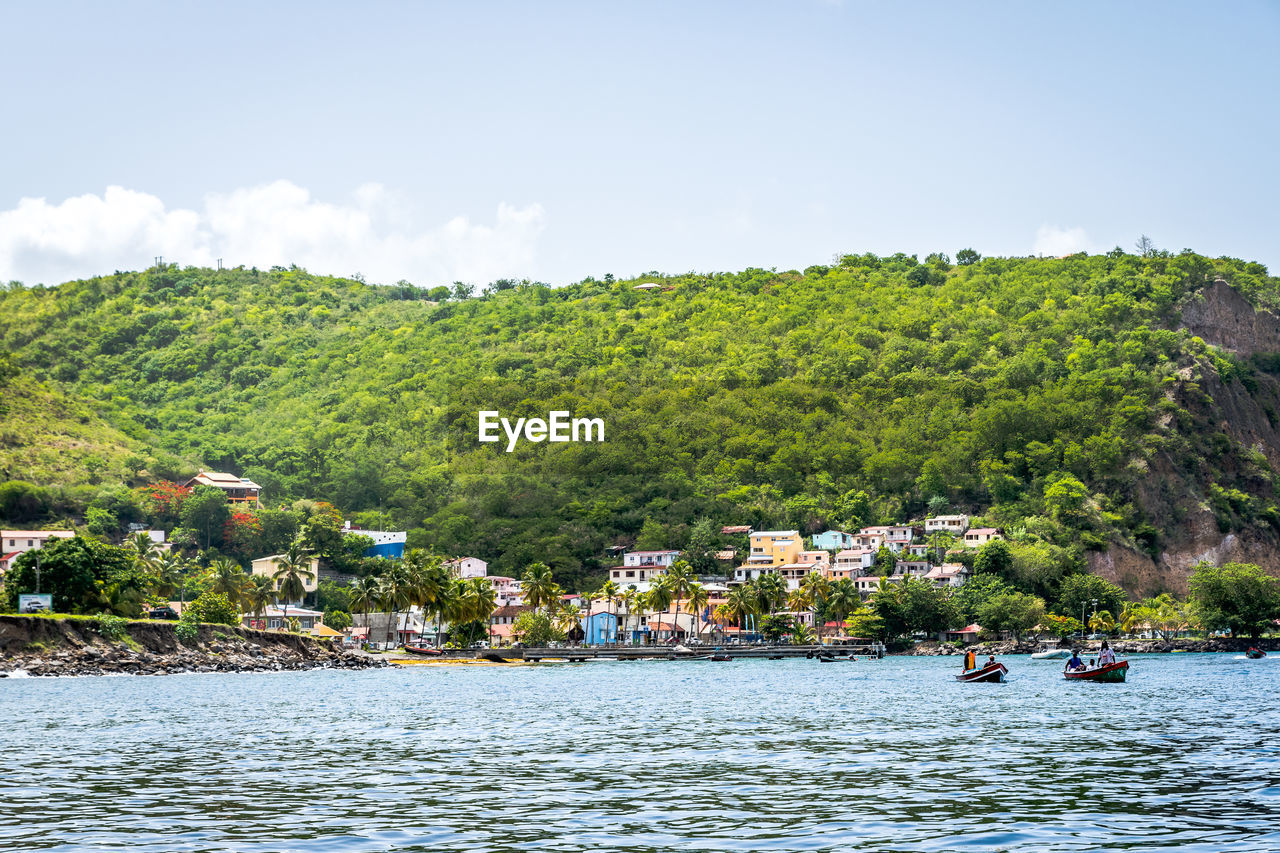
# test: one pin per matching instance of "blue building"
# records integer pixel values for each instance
(600, 628)
(386, 543)
(833, 540)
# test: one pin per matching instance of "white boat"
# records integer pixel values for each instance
(1049, 653)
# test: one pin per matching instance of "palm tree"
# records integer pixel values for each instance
(144, 548)
(659, 598)
(741, 602)
(610, 592)
(485, 600)
(843, 599)
(259, 595)
(723, 616)
(698, 598)
(678, 577)
(799, 600)
(365, 595)
(538, 587)
(771, 592)
(395, 592)
(629, 598)
(818, 588)
(430, 586)
(227, 577)
(170, 570)
(293, 570)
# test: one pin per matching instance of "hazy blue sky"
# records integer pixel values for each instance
(434, 141)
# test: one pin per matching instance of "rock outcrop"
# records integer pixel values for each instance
(42, 646)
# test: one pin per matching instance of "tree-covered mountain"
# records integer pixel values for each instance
(1066, 400)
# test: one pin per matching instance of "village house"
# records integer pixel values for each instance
(639, 568)
(268, 566)
(979, 536)
(506, 590)
(237, 489)
(17, 542)
(852, 563)
(808, 561)
(833, 540)
(912, 568)
(775, 548)
(895, 537)
(867, 584)
(967, 635)
(274, 618)
(948, 574)
(467, 567)
(953, 524)
(502, 621)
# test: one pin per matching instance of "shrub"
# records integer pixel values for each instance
(187, 630)
(114, 628)
(213, 607)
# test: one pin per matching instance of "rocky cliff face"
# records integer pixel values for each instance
(41, 646)
(1222, 317)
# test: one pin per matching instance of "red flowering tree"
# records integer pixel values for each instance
(242, 534)
(163, 500)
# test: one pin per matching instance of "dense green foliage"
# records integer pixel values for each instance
(1041, 392)
(1236, 596)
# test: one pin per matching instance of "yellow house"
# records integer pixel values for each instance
(268, 566)
(775, 547)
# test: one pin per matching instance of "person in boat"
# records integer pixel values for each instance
(1106, 656)
(970, 660)
(1075, 662)
(991, 661)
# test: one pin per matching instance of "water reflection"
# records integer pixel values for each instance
(749, 755)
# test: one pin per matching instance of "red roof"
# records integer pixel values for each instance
(968, 629)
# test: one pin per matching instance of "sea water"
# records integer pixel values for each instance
(750, 755)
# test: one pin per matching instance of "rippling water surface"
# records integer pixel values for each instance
(648, 756)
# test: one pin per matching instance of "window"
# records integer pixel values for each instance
(642, 575)
(631, 574)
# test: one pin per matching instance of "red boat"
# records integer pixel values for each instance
(422, 650)
(992, 672)
(1112, 673)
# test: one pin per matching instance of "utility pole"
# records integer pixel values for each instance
(37, 571)
(219, 264)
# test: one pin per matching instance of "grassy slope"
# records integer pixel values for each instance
(767, 398)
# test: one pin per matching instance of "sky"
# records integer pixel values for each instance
(434, 142)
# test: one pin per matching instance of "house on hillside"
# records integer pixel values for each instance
(833, 540)
(979, 536)
(237, 489)
(467, 567)
(15, 542)
(774, 548)
(953, 524)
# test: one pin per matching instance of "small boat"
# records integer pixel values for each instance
(422, 650)
(1112, 673)
(991, 673)
(1051, 653)
(1254, 653)
(721, 656)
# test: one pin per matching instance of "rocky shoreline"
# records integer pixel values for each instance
(1122, 647)
(39, 646)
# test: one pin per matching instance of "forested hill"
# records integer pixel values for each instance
(1062, 399)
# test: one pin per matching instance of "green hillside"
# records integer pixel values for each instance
(1043, 394)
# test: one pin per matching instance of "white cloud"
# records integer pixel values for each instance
(1053, 241)
(277, 223)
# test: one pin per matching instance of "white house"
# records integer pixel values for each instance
(948, 574)
(979, 536)
(507, 590)
(953, 524)
(468, 567)
(14, 542)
